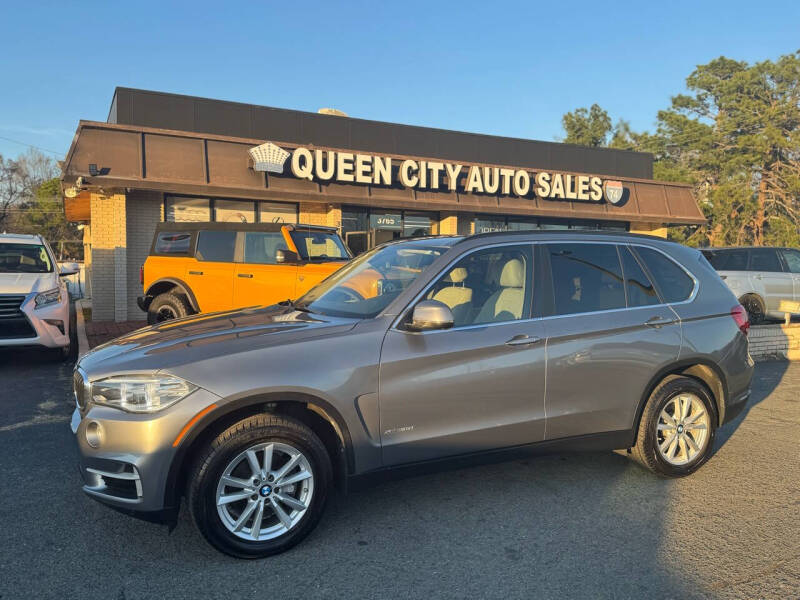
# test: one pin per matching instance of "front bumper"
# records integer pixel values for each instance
(129, 465)
(31, 327)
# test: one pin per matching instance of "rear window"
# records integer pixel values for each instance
(216, 246)
(586, 278)
(171, 242)
(672, 280)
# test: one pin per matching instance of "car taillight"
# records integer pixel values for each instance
(739, 315)
(141, 275)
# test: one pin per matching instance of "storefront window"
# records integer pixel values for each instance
(490, 224)
(276, 212)
(234, 211)
(182, 210)
(417, 225)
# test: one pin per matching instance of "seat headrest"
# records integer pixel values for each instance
(513, 275)
(457, 275)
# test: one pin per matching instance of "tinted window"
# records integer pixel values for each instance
(260, 248)
(792, 258)
(216, 246)
(764, 259)
(487, 286)
(638, 286)
(172, 243)
(727, 260)
(672, 281)
(586, 278)
(319, 245)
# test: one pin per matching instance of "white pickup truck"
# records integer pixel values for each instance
(765, 280)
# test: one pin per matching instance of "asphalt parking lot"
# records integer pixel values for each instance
(590, 525)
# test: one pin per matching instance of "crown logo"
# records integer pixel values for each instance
(268, 157)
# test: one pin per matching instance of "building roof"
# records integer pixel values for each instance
(177, 112)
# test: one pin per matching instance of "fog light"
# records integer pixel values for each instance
(94, 434)
(56, 323)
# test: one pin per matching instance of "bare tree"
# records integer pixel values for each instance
(19, 180)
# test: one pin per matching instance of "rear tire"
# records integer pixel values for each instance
(677, 428)
(242, 470)
(167, 306)
(754, 307)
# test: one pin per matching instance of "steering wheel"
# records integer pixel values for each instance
(347, 295)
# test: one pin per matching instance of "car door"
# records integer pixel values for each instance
(477, 386)
(791, 259)
(211, 276)
(608, 334)
(766, 268)
(260, 280)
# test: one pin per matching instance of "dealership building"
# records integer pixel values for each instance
(167, 157)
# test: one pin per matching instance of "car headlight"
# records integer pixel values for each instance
(140, 393)
(48, 297)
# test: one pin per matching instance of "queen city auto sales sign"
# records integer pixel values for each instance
(348, 167)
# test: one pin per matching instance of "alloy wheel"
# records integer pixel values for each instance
(265, 491)
(682, 431)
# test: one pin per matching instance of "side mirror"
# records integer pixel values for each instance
(430, 315)
(68, 269)
(285, 256)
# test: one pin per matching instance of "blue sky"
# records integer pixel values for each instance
(506, 68)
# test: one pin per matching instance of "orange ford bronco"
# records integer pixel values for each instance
(205, 267)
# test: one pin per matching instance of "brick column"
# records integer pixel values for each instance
(649, 228)
(448, 223)
(109, 257)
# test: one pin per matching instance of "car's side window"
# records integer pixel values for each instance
(765, 260)
(216, 246)
(488, 286)
(261, 247)
(672, 280)
(172, 242)
(638, 287)
(792, 258)
(586, 278)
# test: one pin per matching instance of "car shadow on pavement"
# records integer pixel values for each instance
(766, 378)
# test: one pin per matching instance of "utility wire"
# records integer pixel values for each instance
(31, 146)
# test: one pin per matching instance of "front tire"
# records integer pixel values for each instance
(261, 486)
(165, 307)
(677, 428)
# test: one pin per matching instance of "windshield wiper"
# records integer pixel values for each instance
(290, 303)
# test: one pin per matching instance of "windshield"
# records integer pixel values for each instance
(319, 245)
(24, 258)
(365, 286)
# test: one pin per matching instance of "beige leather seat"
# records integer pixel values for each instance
(506, 303)
(457, 297)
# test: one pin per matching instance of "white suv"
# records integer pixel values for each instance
(34, 302)
(765, 280)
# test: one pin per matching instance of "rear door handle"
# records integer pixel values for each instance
(195, 272)
(523, 340)
(657, 321)
(248, 275)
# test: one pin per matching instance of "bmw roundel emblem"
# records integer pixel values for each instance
(265, 490)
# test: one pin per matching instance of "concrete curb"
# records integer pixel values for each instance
(83, 341)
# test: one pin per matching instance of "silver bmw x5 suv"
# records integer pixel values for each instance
(415, 351)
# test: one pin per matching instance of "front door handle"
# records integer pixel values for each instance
(248, 275)
(195, 272)
(523, 340)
